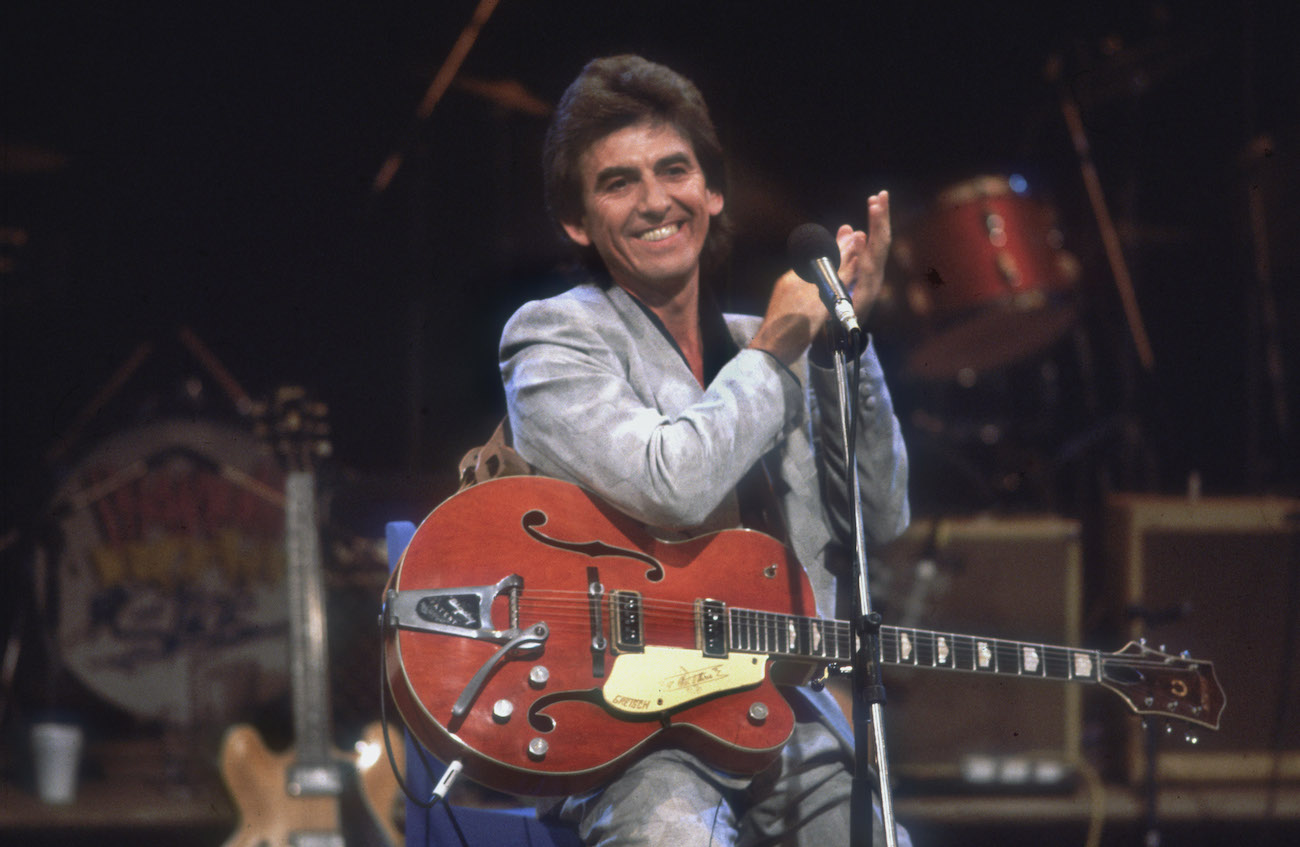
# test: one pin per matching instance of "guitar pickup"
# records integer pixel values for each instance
(711, 616)
(625, 612)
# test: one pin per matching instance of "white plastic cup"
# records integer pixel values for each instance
(56, 748)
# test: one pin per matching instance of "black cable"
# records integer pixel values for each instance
(383, 723)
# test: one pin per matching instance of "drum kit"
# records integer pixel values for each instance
(984, 294)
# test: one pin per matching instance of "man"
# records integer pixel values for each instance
(637, 388)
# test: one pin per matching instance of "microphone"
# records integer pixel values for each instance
(816, 257)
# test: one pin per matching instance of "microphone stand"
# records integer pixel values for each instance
(868, 690)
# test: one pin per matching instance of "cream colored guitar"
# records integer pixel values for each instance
(314, 795)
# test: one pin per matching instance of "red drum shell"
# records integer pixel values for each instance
(988, 282)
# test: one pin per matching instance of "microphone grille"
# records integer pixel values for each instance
(808, 243)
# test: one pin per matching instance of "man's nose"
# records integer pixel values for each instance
(654, 198)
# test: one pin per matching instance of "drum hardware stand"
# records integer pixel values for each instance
(1110, 240)
(868, 690)
(120, 377)
(1109, 234)
(1265, 344)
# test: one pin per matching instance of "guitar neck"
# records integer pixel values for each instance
(831, 641)
(308, 665)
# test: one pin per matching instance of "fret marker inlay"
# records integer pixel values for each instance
(1082, 665)
(985, 654)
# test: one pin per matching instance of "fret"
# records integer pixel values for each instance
(1006, 657)
(843, 641)
(889, 645)
(925, 648)
(739, 632)
(1056, 662)
(816, 638)
(963, 650)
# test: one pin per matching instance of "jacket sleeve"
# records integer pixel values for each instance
(581, 403)
(880, 453)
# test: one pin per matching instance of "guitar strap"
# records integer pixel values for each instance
(760, 508)
(493, 459)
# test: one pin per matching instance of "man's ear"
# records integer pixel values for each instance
(715, 203)
(577, 232)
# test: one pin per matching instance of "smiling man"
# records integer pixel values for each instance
(638, 388)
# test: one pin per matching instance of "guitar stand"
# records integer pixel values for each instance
(868, 689)
(1151, 836)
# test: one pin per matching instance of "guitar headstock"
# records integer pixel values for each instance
(297, 427)
(1156, 683)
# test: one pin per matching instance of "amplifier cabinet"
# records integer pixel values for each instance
(1012, 578)
(1216, 577)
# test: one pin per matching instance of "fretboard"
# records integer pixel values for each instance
(309, 670)
(798, 637)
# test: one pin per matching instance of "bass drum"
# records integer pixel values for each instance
(987, 281)
(171, 599)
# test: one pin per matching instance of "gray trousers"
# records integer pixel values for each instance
(672, 799)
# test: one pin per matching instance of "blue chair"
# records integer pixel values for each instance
(444, 824)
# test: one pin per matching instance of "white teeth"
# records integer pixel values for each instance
(659, 234)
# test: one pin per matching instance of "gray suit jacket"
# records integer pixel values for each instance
(597, 394)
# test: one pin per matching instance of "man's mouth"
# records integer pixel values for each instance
(660, 233)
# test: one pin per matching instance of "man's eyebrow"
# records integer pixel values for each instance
(615, 172)
(630, 172)
(673, 159)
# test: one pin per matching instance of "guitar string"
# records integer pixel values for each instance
(574, 607)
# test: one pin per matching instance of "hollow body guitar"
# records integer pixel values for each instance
(547, 641)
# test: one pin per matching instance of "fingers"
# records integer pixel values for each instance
(794, 316)
(878, 223)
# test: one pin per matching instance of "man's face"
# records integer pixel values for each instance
(646, 209)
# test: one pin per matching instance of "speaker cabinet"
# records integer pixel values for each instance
(994, 577)
(1216, 577)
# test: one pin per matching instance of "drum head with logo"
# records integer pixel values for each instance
(171, 590)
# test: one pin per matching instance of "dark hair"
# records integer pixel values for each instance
(616, 92)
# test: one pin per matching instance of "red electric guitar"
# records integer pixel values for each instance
(547, 641)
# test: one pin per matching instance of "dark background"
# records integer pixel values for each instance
(210, 166)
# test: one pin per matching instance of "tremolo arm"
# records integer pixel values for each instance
(466, 613)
